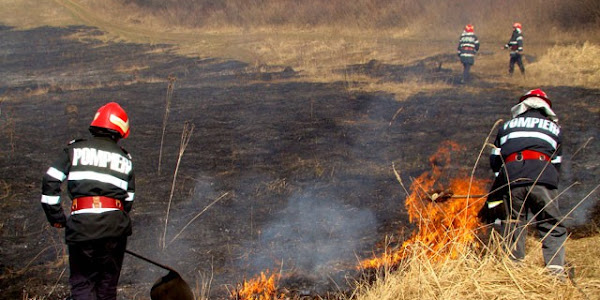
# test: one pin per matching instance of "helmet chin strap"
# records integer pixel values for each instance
(104, 132)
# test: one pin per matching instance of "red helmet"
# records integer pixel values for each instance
(112, 116)
(469, 28)
(517, 25)
(536, 93)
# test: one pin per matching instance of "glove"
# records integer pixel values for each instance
(492, 210)
(58, 225)
(495, 204)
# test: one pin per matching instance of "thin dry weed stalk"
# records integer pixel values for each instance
(204, 284)
(582, 147)
(6, 188)
(59, 248)
(197, 216)
(8, 125)
(57, 281)
(170, 88)
(186, 135)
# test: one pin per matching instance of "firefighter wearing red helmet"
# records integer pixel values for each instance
(526, 160)
(100, 182)
(468, 45)
(515, 44)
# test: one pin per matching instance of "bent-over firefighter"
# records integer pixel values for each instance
(526, 160)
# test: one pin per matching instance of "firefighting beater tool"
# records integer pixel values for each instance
(441, 196)
(168, 287)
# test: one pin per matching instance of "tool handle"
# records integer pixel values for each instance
(150, 261)
(469, 196)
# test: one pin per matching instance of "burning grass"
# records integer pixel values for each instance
(262, 287)
(444, 227)
(445, 257)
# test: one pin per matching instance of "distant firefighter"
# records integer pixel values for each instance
(515, 44)
(468, 45)
(100, 181)
(526, 159)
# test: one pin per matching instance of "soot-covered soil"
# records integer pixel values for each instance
(302, 170)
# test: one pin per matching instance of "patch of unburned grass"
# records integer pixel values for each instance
(491, 276)
(571, 65)
(584, 253)
(33, 13)
(318, 52)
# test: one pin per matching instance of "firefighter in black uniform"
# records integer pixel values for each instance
(526, 159)
(515, 44)
(100, 182)
(468, 45)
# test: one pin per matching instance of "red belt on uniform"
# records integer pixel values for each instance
(95, 202)
(527, 155)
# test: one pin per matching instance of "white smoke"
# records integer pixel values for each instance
(312, 235)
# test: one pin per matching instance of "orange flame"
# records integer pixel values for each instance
(444, 227)
(262, 287)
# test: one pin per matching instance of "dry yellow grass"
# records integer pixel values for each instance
(570, 65)
(319, 53)
(490, 277)
(31, 13)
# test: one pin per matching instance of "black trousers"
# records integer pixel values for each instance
(466, 72)
(95, 267)
(541, 203)
(518, 59)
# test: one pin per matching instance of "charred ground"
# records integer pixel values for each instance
(305, 167)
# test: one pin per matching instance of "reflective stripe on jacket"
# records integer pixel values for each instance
(530, 130)
(95, 167)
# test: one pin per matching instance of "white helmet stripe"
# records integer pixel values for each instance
(124, 125)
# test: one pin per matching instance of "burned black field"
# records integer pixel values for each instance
(302, 171)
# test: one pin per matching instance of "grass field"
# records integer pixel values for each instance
(320, 39)
(557, 56)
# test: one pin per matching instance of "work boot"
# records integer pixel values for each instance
(558, 272)
(570, 270)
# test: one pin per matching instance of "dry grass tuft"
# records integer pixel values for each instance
(572, 65)
(491, 276)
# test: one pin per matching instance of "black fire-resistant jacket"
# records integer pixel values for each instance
(530, 130)
(95, 167)
(516, 42)
(468, 45)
